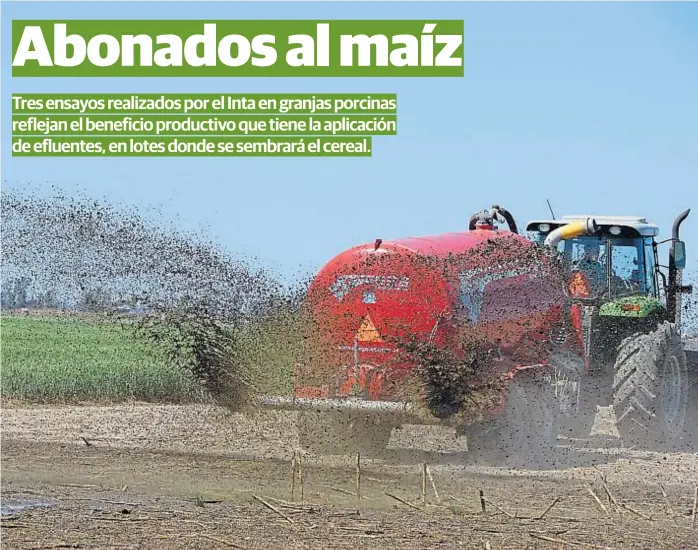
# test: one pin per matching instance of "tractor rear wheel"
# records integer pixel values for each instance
(332, 432)
(650, 389)
(691, 427)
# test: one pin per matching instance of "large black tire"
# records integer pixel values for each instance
(577, 394)
(527, 433)
(650, 389)
(335, 433)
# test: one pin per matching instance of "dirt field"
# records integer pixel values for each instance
(165, 477)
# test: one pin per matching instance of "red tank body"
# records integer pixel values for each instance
(438, 288)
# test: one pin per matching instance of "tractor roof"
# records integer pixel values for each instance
(630, 225)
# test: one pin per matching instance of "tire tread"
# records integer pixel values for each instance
(636, 391)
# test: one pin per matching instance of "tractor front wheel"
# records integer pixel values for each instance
(577, 394)
(526, 435)
(650, 389)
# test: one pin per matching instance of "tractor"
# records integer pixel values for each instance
(626, 312)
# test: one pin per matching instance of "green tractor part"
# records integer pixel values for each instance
(638, 307)
(628, 311)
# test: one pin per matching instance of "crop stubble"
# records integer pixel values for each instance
(155, 476)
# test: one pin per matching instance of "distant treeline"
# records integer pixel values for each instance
(17, 295)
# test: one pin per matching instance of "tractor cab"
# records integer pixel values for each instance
(616, 261)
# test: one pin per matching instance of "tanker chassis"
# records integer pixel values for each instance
(453, 329)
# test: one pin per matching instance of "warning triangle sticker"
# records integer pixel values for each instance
(367, 331)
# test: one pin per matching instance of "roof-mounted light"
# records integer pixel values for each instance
(544, 227)
(615, 230)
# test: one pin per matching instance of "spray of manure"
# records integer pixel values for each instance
(457, 383)
(213, 315)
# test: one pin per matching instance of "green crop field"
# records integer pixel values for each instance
(79, 359)
(49, 359)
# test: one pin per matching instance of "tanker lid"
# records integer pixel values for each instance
(484, 221)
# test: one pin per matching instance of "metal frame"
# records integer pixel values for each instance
(348, 403)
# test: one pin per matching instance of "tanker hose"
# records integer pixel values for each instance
(496, 213)
(575, 229)
(507, 216)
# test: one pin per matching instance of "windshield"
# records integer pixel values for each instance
(586, 260)
(603, 267)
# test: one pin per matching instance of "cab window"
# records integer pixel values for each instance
(627, 264)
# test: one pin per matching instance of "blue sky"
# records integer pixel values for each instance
(591, 105)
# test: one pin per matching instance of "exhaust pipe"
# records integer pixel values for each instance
(674, 283)
(677, 224)
(575, 229)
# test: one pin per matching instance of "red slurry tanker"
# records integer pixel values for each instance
(454, 328)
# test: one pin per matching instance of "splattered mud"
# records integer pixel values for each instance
(145, 476)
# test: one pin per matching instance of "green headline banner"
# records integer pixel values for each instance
(242, 48)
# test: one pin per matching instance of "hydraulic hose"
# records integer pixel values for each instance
(508, 217)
